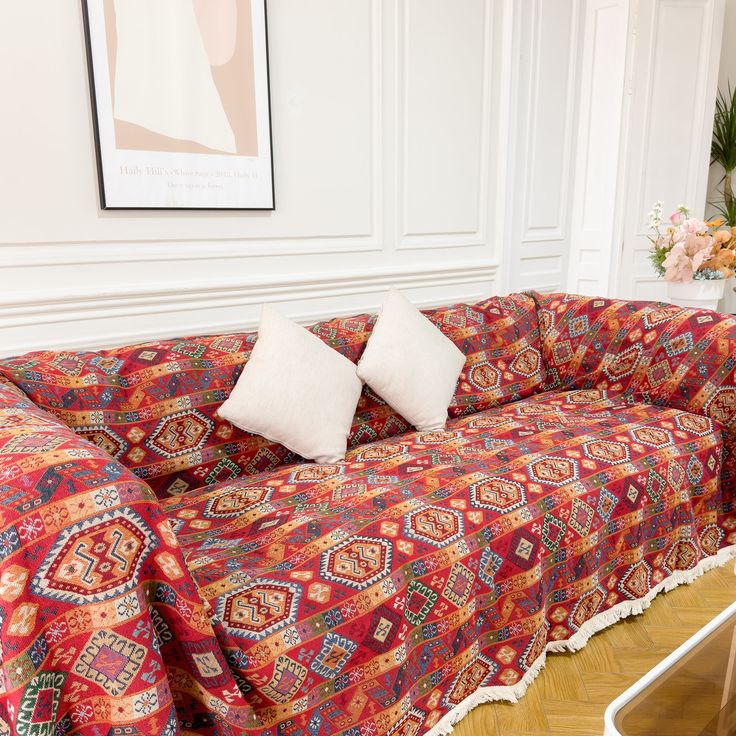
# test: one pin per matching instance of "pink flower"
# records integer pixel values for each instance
(687, 256)
(676, 218)
(694, 226)
(677, 265)
(698, 247)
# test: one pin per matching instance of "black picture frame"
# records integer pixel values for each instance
(103, 123)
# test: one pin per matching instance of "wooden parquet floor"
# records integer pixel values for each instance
(573, 690)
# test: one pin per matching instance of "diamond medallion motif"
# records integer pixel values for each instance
(607, 451)
(484, 376)
(102, 436)
(652, 436)
(180, 433)
(722, 405)
(527, 362)
(553, 470)
(474, 675)
(498, 494)
(700, 426)
(260, 609)
(235, 502)
(624, 363)
(96, 559)
(435, 525)
(358, 562)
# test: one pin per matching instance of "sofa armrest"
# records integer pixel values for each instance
(101, 624)
(654, 352)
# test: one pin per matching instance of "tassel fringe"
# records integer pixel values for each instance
(512, 693)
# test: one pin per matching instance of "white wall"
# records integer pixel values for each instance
(612, 108)
(451, 149)
(670, 124)
(544, 82)
(599, 139)
(388, 129)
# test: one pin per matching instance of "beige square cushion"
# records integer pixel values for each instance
(410, 364)
(295, 390)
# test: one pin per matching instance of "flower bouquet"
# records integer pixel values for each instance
(694, 256)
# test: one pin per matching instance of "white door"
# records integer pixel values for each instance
(672, 81)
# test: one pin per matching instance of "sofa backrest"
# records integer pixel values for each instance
(654, 352)
(661, 353)
(154, 406)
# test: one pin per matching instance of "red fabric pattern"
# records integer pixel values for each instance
(365, 598)
(154, 406)
(353, 598)
(101, 624)
(659, 353)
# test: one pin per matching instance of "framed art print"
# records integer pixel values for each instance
(180, 100)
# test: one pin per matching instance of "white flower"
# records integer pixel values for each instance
(655, 215)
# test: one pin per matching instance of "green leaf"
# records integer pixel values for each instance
(723, 146)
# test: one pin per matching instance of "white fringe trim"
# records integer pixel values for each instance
(512, 693)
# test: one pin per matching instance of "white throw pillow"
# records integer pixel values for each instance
(295, 390)
(410, 364)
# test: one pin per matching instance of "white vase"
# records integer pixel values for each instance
(696, 294)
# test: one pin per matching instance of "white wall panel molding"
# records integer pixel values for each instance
(665, 82)
(71, 275)
(550, 109)
(328, 122)
(547, 38)
(451, 149)
(40, 255)
(222, 302)
(599, 139)
(33, 305)
(443, 109)
(212, 322)
(500, 204)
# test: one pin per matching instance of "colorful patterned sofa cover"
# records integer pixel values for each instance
(175, 575)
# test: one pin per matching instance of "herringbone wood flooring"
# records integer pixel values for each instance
(573, 690)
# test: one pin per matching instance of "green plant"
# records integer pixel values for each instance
(723, 151)
(726, 209)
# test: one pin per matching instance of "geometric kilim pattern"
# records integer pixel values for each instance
(102, 628)
(261, 597)
(236, 502)
(111, 661)
(357, 562)
(288, 677)
(95, 559)
(474, 675)
(39, 706)
(180, 433)
(154, 406)
(434, 525)
(263, 607)
(498, 493)
(651, 352)
(449, 560)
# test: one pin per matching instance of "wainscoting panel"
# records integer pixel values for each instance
(452, 149)
(598, 145)
(443, 102)
(361, 204)
(32, 319)
(547, 37)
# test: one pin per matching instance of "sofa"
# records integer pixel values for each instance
(163, 572)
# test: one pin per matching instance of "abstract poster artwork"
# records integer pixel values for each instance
(180, 100)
